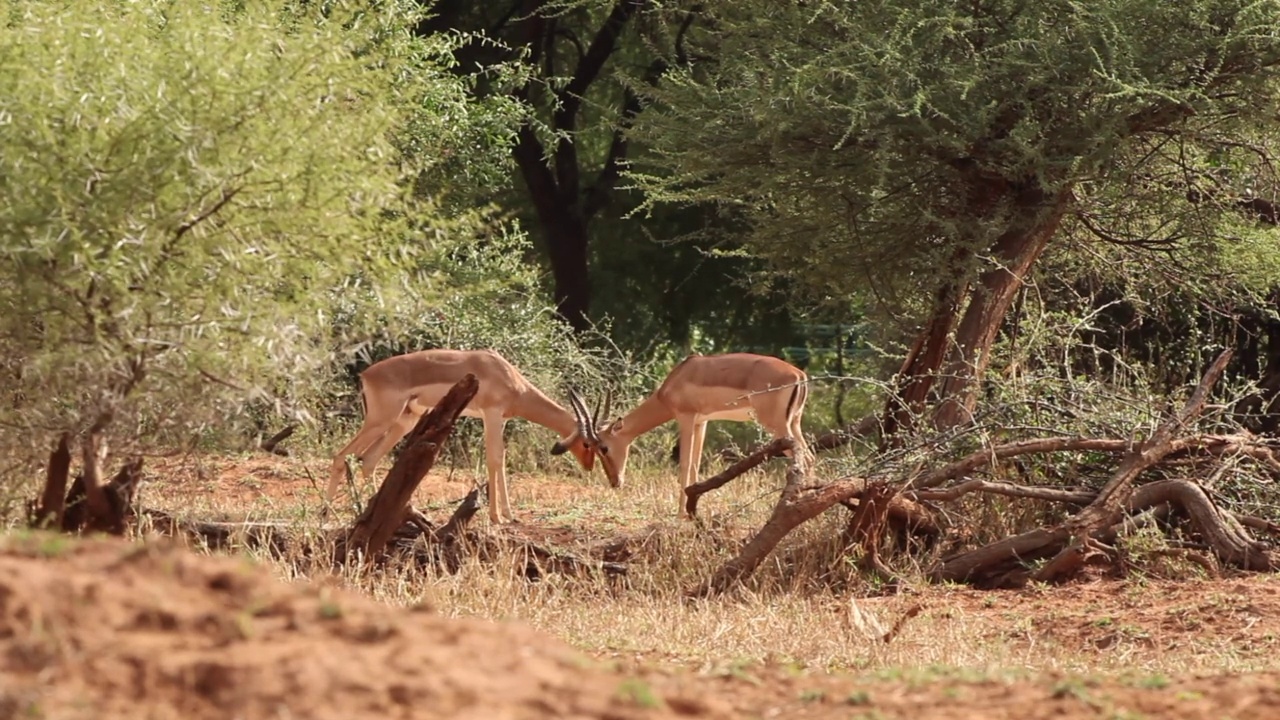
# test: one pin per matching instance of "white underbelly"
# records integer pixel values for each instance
(429, 396)
(736, 415)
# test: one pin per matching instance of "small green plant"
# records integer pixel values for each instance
(638, 692)
(1073, 688)
(858, 697)
(812, 695)
(53, 545)
(330, 610)
(1154, 682)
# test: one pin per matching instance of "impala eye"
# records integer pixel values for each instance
(603, 450)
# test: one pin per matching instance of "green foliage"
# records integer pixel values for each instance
(190, 187)
(880, 149)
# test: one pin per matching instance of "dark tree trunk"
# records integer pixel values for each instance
(943, 368)
(564, 202)
(569, 269)
(1258, 410)
(1016, 251)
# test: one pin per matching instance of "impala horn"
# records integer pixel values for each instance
(586, 427)
(602, 409)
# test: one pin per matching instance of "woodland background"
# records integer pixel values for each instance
(975, 223)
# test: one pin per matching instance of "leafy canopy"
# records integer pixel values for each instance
(190, 187)
(868, 142)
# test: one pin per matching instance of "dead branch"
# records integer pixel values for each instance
(280, 539)
(95, 453)
(271, 443)
(868, 522)
(987, 456)
(1116, 491)
(1074, 497)
(796, 505)
(1256, 523)
(53, 500)
(1104, 510)
(457, 522)
(776, 448)
(118, 495)
(1224, 534)
(911, 612)
(386, 512)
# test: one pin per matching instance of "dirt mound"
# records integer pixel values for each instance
(106, 629)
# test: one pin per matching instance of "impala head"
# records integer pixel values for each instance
(601, 442)
(578, 445)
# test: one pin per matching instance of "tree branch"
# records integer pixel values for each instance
(774, 449)
(1075, 497)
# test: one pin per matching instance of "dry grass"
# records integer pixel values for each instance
(788, 617)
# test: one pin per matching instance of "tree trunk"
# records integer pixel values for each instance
(915, 379)
(970, 354)
(944, 367)
(567, 247)
(53, 500)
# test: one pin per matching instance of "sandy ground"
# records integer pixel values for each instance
(107, 629)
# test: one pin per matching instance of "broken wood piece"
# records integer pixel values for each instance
(48, 513)
(271, 443)
(384, 514)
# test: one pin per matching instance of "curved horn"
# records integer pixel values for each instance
(585, 428)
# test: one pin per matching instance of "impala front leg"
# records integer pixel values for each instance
(495, 466)
(688, 433)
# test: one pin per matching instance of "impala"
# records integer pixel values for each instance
(736, 386)
(397, 391)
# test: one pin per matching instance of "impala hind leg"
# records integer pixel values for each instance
(691, 433)
(370, 458)
(695, 453)
(368, 435)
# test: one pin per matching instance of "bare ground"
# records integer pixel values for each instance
(109, 630)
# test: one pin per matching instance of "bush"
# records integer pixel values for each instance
(191, 187)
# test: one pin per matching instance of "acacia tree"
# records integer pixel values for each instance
(191, 188)
(923, 156)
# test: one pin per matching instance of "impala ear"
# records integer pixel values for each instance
(559, 448)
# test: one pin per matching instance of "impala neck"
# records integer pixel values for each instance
(646, 416)
(535, 407)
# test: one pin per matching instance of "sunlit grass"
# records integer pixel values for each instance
(807, 608)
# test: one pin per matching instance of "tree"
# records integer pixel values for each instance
(570, 153)
(190, 189)
(924, 155)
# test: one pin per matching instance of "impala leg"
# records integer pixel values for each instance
(687, 429)
(695, 461)
(802, 454)
(495, 465)
(368, 435)
(369, 459)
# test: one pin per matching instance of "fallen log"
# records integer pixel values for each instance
(1103, 511)
(796, 504)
